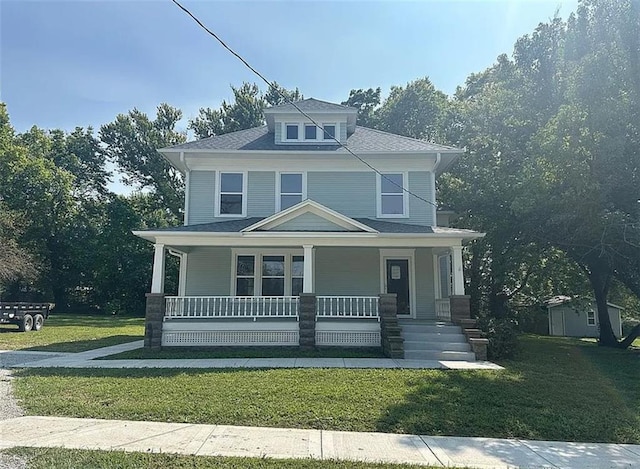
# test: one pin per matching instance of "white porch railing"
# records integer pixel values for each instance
(347, 307)
(443, 310)
(231, 307)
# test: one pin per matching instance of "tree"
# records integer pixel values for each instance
(133, 140)
(367, 102)
(277, 95)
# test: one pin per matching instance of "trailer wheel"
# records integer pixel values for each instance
(38, 322)
(26, 324)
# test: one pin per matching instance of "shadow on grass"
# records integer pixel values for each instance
(84, 345)
(554, 391)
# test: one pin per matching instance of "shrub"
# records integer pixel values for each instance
(502, 335)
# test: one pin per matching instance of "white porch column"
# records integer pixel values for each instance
(182, 281)
(456, 267)
(307, 281)
(157, 281)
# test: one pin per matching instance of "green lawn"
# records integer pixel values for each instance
(73, 333)
(247, 352)
(46, 458)
(556, 389)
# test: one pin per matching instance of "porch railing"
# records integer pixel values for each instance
(231, 307)
(347, 307)
(443, 310)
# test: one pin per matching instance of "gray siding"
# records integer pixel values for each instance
(261, 193)
(350, 193)
(420, 212)
(347, 271)
(425, 295)
(209, 271)
(343, 132)
(277, 129)
(201, 197)
(309, 222)
(575, 322)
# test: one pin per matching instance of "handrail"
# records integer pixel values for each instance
(347, 307)
(252, 307)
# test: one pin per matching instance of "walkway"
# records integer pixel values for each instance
(223, 440)
(89, 358)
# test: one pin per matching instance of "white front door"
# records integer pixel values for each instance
(557, 323)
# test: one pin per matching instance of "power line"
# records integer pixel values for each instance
(289, 101)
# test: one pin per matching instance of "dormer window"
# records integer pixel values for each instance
(329, 131)
(310, 132)
(292, 131)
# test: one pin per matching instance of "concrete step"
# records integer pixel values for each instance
(432, 328)
(444, 346)
(433, 337)
(439, 355)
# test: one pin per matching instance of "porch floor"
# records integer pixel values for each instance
(88, 360)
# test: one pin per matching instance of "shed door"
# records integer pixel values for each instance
(557, 323)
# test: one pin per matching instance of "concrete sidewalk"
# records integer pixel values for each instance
(89, 359)
(223, 440)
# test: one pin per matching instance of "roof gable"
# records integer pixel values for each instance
(309, 214)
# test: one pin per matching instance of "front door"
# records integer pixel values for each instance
(398, 283)
(557, 323)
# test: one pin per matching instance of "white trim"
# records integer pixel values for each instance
(258, 254)
(434, 205)
(187, 196)
(408, 254)
(436, 277)
(182, 280)
(218, 189)
(307, 206)
(457, 271)
(157, 279)
(309, 268)
(279, 190)
(403, 193)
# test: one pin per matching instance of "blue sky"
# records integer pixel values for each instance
(80, 63)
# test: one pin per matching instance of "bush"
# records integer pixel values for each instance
(502, 335)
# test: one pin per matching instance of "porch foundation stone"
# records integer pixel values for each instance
(390, 331)
(460, 306)
(153, 321)
(307, 321)
(479, 347)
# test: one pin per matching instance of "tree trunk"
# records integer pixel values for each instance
(600, 278)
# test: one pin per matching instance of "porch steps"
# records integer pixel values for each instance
(431, 340)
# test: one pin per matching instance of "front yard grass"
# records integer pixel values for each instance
(73, 333)
(45, 458)
(556, 389)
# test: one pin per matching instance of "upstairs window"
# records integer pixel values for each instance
(292, 131)
(329, 131)
(392, 199)
(291, 190)
(310, 132)
(591, 318)
(231, 198)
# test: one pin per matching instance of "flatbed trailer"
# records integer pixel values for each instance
(27, 316)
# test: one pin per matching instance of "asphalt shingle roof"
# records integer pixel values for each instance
(311, 105)
(235, 226)
(362, 140)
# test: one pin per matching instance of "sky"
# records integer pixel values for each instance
(80, 63)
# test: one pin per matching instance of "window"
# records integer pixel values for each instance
(231, 201)
(291, 190)
(245, 275)
(273, 276)
(269, 272)
(591, 318)
(392, 201)
(292, 131)
(329, 131)
(310, 132)
(297, 274)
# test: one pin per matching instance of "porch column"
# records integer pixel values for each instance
(182, 281)
(456, 267)
(157, 281)
(307, 281)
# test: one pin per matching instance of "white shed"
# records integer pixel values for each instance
(567, 320)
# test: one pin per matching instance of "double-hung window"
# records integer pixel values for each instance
(591, 318)
(292, 190)
(392, 198)
(271, 273)
(292, 131)
(231, 195)
(329, 131)
(310, 132)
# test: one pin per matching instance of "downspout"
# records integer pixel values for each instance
(187, 174)
(433, 188)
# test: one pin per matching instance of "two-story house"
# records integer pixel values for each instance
(279, 210)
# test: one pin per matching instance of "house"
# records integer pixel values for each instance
(570, 320)
(290, 239)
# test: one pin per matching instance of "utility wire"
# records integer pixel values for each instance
(289, 101)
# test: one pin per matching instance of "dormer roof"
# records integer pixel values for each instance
(313, 107)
